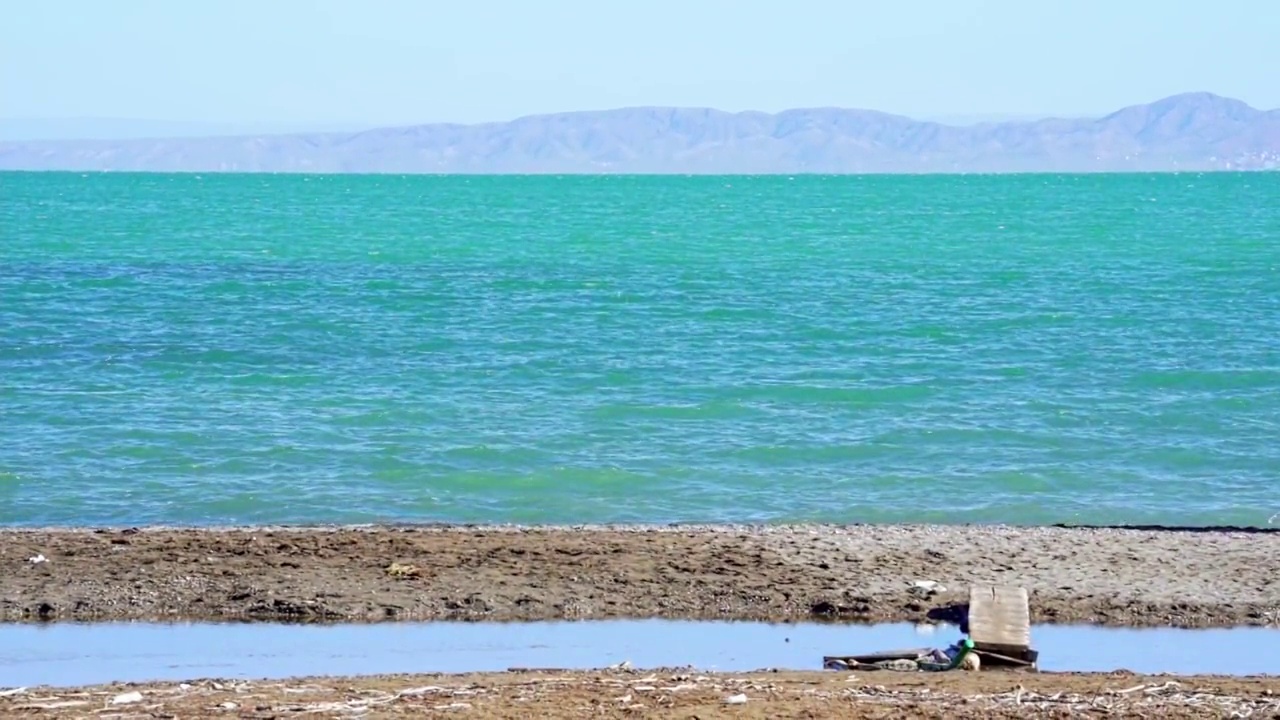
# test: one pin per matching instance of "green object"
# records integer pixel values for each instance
(965, 647)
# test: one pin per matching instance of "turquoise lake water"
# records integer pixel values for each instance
(183, 349)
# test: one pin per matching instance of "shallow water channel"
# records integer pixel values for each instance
(76, 654)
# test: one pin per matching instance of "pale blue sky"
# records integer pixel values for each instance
(327, 62)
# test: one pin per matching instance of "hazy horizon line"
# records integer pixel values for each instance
(27, 128)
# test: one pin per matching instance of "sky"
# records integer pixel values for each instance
(341, 64)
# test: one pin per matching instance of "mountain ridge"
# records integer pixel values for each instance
(1194, 131)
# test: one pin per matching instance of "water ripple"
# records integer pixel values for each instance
(280, 349)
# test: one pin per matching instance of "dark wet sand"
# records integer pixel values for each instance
(861, 573)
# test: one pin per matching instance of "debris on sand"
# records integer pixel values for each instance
(403, 570)
(563, 694)
(127, 698)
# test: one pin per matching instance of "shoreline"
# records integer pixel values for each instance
(694, 526)
(1121, 577)
(679, 692)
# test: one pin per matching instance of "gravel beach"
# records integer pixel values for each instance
(673, 693)
(1117, 577)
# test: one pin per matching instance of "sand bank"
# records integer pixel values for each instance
(673, 693)
(1116, 577)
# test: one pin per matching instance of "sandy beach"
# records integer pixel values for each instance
(1117, 577)
(678, 693)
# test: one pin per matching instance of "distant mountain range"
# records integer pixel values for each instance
(1190, 132)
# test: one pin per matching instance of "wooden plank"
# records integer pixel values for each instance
(1000, 618)
(880, 656)
(988, 656)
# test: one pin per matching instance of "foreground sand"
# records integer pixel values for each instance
(671, 693)
(861, 573)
